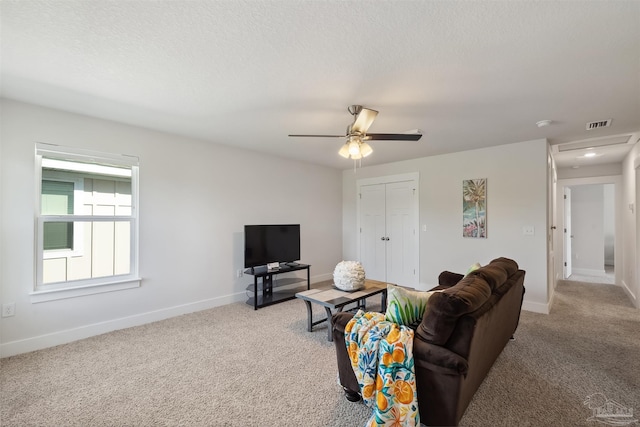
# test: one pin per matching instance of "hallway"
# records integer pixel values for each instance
(608, 279)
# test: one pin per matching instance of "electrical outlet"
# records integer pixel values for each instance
(9, 309)
(239, 274)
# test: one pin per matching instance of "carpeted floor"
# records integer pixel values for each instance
(589, 343)
(607, 278)
(233, 366)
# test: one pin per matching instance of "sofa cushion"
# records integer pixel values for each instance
(446, 279)
(445, 307)
(496, 272)
(405, 306)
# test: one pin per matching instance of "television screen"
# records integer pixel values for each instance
(264, 244)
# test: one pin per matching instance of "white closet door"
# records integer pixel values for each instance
(400, 220)
(372, 231)
(387, 232)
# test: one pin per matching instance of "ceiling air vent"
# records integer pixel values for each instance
(599, 124)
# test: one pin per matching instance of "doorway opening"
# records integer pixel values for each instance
(589, 233)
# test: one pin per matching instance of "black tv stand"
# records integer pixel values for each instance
(272, 293)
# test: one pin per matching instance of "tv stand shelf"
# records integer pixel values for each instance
(271, 292)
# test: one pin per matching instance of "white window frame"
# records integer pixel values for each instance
(78, 205)
(73, 288)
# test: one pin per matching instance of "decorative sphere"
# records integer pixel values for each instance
(348, 276)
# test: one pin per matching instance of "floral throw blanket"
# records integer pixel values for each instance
(381, 354)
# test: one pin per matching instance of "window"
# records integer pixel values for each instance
(57, 199)
(86, 224)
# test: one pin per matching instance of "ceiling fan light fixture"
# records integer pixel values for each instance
(365, 149)
(354, 147)
(344, 151)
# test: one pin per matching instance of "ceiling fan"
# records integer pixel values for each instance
(356, 146)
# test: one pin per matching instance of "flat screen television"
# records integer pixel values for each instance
(264, 244)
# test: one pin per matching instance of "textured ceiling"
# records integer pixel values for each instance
(248, 73)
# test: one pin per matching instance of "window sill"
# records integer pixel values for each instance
(79, 291)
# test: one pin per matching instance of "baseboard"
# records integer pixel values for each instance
(13, 348)
(40, 342)
(536, 307)
(631, 296)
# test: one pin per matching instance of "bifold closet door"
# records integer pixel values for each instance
(387, 232)
(400, 222)
(373, 231)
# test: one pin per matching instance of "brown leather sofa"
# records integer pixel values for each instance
(463, 332)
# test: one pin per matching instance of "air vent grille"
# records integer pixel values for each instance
(599, 124)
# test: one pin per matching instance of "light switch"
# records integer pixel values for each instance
(528, 230)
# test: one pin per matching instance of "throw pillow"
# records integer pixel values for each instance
(473, 267)
(404, 306)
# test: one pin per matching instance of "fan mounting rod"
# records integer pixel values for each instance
(354, 110)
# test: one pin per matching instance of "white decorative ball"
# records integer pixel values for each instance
(348, 276)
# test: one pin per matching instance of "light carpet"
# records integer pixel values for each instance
(233, 366)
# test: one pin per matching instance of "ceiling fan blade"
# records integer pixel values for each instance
(393, 136)
(319, 136)
(363, 120)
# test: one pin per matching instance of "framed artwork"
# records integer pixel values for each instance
(474, 208)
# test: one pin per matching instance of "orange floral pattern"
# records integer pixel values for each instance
(381, 354)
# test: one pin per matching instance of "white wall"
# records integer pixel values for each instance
(587, 228)
(195, 198)
(516, 197)
(630, 219)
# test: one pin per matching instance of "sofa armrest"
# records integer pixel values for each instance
(339, 320)
(430, 356)
(437, 358)
(446, 279)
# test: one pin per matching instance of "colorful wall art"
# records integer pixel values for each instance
(474, 208)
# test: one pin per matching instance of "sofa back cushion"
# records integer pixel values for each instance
(445, 307)
(468, 295)
(496, 272)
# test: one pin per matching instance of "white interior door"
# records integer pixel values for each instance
(567, 232)
(373, 231)
(388, 232)
(401, 232)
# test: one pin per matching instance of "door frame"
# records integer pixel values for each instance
(616, 180)
(567, 234)
(415, 178)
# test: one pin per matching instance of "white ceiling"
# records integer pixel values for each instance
(248, 73)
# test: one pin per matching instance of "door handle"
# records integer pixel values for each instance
(386, 238)
(382, 238)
